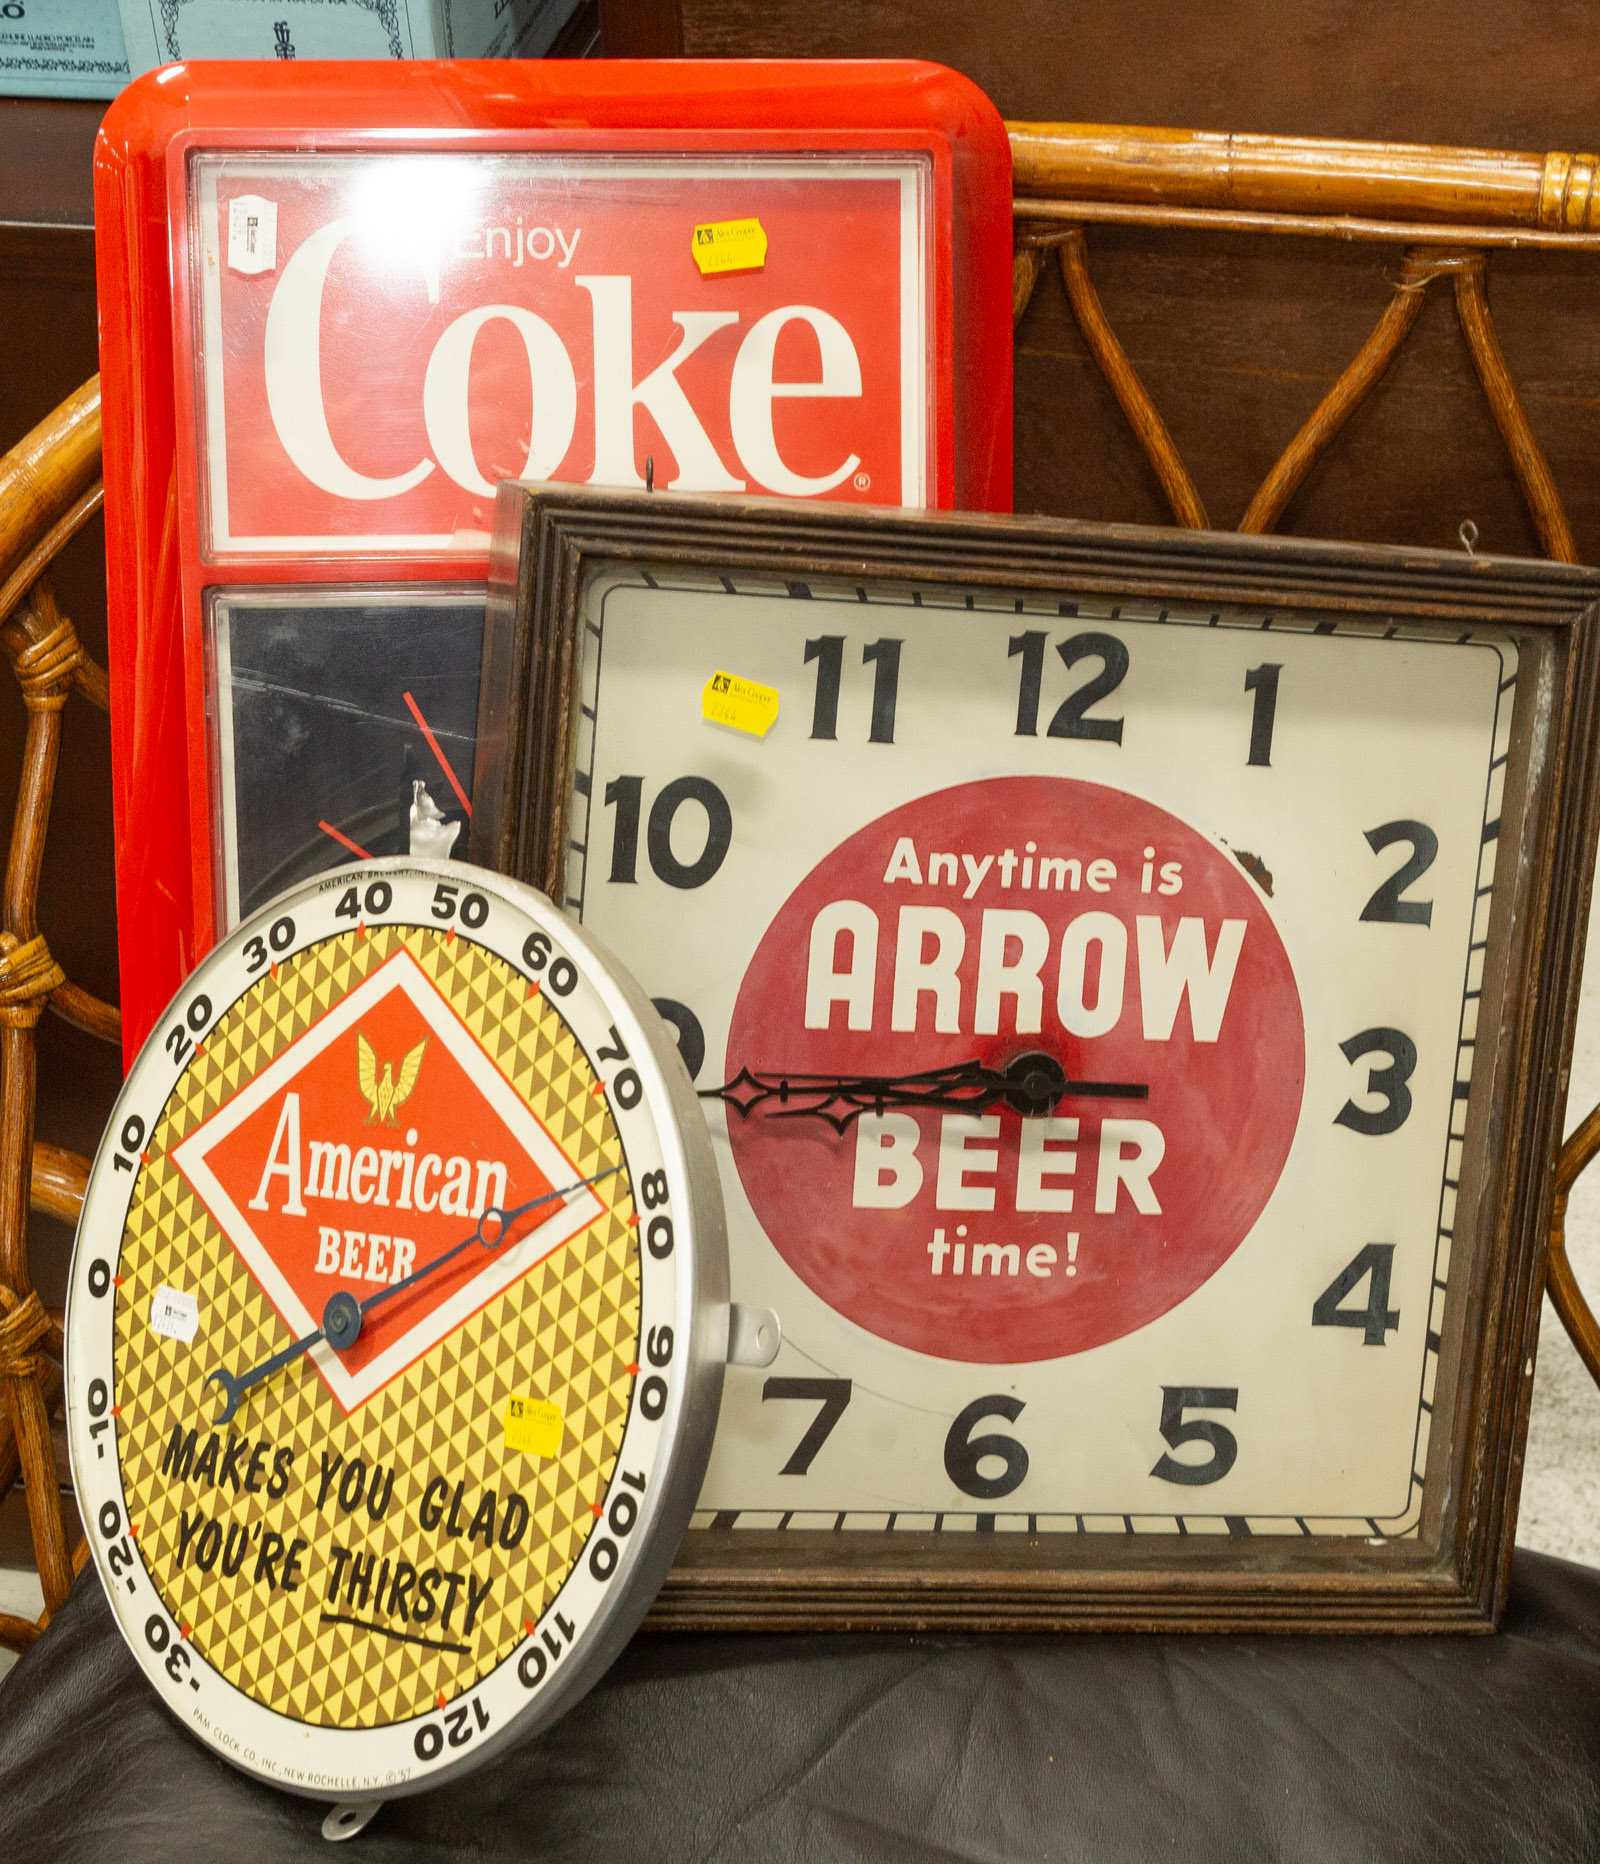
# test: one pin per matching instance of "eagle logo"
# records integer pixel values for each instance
(384, 1095)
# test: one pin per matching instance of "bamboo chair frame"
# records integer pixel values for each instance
(49, 489)
(1450, 209)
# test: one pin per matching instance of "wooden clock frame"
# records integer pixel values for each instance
(1455, 1574)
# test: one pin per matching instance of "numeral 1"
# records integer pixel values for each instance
(885, 688)
(1263, 682)
(623, 794)
(1031, 648)
(828, 652)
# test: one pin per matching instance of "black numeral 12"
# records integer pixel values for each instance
(1071, 718)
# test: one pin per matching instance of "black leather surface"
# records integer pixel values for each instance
(1102, 1749)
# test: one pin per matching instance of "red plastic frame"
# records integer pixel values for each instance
(156, 579)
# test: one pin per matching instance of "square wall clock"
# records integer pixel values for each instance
(1130, 977)
(341, 302)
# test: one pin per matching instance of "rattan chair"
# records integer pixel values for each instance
(1449, 210)
(49, 489)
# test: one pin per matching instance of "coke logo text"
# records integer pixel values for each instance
(394, 365)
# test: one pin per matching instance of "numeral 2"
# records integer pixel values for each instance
(1387, 904)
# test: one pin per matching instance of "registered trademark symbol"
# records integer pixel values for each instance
(863, 480)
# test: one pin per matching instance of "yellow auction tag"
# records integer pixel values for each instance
(730, 246)
(746, 705)
(533, 1426)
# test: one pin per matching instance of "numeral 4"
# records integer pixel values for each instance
(1377, 1318)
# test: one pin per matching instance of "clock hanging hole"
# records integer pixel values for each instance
(345, 1821)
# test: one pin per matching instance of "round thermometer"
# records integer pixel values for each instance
(396, 1329)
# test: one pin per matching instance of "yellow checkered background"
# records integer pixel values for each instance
(566, 1333)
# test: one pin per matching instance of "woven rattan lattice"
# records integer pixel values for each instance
(49, 489)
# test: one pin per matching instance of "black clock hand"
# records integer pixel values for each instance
(1032, 1084)
(343, 1316)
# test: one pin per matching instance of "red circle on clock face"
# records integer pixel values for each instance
(983, 922)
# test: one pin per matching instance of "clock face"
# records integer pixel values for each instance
(389, 1391)
(329, 705)
(1217, 883)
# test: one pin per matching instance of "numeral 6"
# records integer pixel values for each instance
(963, 1451)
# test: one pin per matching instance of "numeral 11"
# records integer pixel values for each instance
(828, 652)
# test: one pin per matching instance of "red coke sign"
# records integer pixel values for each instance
(389, 335)
(341, 302)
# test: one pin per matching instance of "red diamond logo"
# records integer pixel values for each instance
(371, 1146)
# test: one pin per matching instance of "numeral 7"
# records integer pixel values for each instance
(832, 1394)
